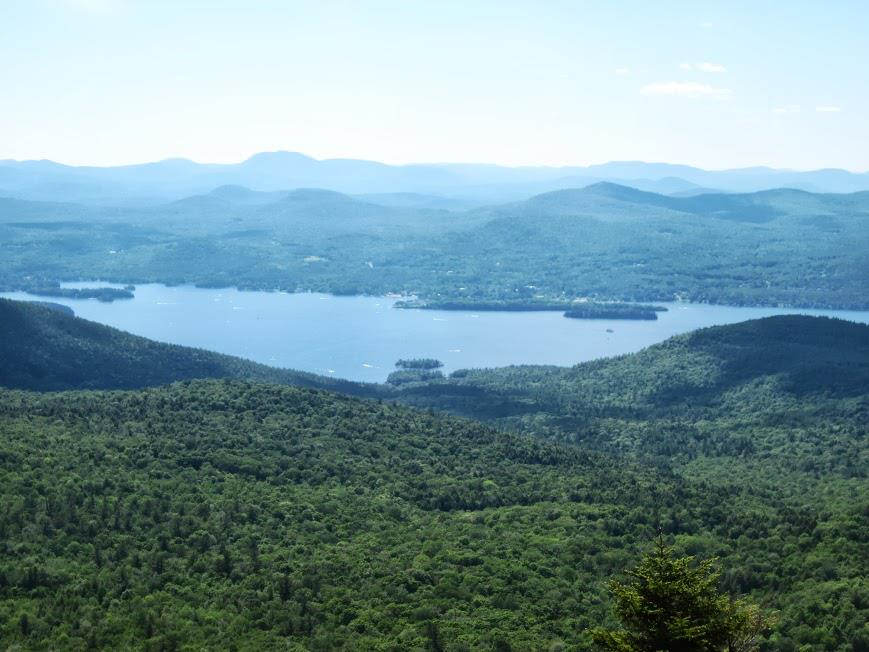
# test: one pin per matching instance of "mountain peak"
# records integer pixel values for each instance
(279, 156)
(317, 194)
(600, 189)
(610, 188)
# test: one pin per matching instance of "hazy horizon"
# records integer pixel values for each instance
(436, 163)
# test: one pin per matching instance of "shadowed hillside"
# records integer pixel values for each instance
(789, 387)
(42, 348)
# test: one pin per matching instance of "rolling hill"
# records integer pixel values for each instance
(612, 201)
(792, 355)
(777, 387)
(605, 241)
(780, 402)
(791, 388)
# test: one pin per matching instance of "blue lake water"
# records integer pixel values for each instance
(360, 338)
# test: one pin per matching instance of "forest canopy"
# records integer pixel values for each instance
(239, 511)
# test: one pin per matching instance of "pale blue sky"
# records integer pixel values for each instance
(715, 84)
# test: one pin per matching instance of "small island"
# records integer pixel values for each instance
(419, 363)
(573, 309)
(614, 311)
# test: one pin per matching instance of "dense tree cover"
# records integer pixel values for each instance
(415, 370)
(778, 404)
(43, 348)
(792, 387)
(407, 376)
(228, 514)
(55, 306)
(672, 603)
(602, 242)
(419, 363)
(595, 310)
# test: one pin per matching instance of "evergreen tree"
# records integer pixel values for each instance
(673, 604)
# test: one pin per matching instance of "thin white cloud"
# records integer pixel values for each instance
(790, 108)
(703, 66)
(686, 89)
(828, 109)
(622, 71)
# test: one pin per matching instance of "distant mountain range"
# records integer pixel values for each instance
(614, 202)
(469, 184)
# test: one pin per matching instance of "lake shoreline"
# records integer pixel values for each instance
(416, 303)
(360, 338)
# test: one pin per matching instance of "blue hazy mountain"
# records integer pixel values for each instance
(475, 183)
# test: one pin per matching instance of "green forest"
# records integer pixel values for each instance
(453, 291)
(243, 513)
(605, 242)
(214, 512)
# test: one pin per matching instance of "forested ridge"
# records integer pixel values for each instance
(605, 242)
(781, 402)
(767, 385)
(220, 513)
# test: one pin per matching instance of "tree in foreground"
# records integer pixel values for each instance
(673, 603)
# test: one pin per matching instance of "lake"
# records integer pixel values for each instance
(360, 338)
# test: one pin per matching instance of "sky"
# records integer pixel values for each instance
(538, 82)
